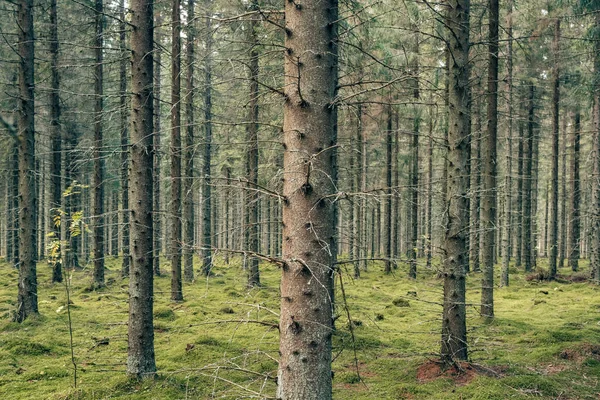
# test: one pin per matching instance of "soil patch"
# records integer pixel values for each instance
(461, 373)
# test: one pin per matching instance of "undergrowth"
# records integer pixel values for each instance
(221, 342)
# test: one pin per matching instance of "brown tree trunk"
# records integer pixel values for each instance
(156, 137)
(475, 200)
(595, 178)
(388, 195)
(553, 236)
(175, 204)
(489, 218)
(527, 184)
(27, 301)
(308, 215)
(575, 196)
(454, 332)
(126, 262)
(206, 188)
(140, 356)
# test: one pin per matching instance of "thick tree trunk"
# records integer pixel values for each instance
(252, 198)
(488, 199)
(188, 184)
(454, 332)
(306, 323)
(553, 237)
(27, 301)
(175, 150)
(98, 220)
(595, 178)
(56, 144)
(140, 357)
(575, 196)
(126, 262)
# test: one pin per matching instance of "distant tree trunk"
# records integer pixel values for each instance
(252, 198)
(56, 142)
(396, 192)
(546, 209)
(475, 203)
(175, 203)
(488, 201)
(114, 225)
(156, 137)
(228, 236)
(552, 261)
(188, 183)
(13, 251)
(429, 237)
(309, 215)
(140, 357)
(535, 191)
(363, 162)
(454, 332)
(206, 189)
(27, 301)
(388, 194)
(508, 198)
(527, 183)
(575, 196)
(414, 184)
(595, 178)
(126, 262)
(563, 195)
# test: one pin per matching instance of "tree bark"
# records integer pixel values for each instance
(126, 262)
(488, 200)
(140, 357)
(156, 137)
(306, 322)
(527, 184)
(27, 299)
(575, 196)
(388, 195)
(595, 178)
(175, 204)
(206, 188)
(553, 236)
(454, 332)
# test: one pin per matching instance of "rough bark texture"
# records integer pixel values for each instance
(126, 262)
(387, 245)
(175, 150)
(27, 301)
(188, 183)
(308, 250)
(56, 140)
(252, 220)
(475, 188)
(527, 184)
(575, 196)
(553, 236)
(454, 332)
(488, 197)
(206, 189)
(414, 184)
(98, 177)
(140, 357)
(156, 137)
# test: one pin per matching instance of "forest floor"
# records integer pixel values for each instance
(221, 342)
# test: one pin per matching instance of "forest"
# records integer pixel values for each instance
(300, 199)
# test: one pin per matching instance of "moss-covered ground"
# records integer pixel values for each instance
(221, 342)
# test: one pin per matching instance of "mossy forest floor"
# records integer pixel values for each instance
(221, 341)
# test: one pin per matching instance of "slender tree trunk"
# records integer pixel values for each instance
(206, 188)
(252, 199)
(309, 215)
(156, 137)
(126, 262)
(508, 198)
(429, 237)
(56, 142)
(563, 196)
(364, 220)
(488, 201)
(575, 196)
(414, 184)
(527, 184)
(595, 178)
(552, 261)
(475, 203)
(546, 209)
(27, 301)
(175, 204)
(454, 332)
(388, 194)
(188, 183)
(140, 357)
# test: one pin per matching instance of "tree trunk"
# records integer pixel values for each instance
(454, 332)
(252, 198)
(527, 183)
(553, 237)
(488, 201)
(519, 207)
(140, 357)
(575, 196)
(388, 194)
(563, 196)
(475, 203)
(595, 178)
(126, 262)
(156, 136)
(414, 184)
(175, 204)
(188, 183)
(56, 144)
(309, 213)
(27, 302)
(206, 189)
